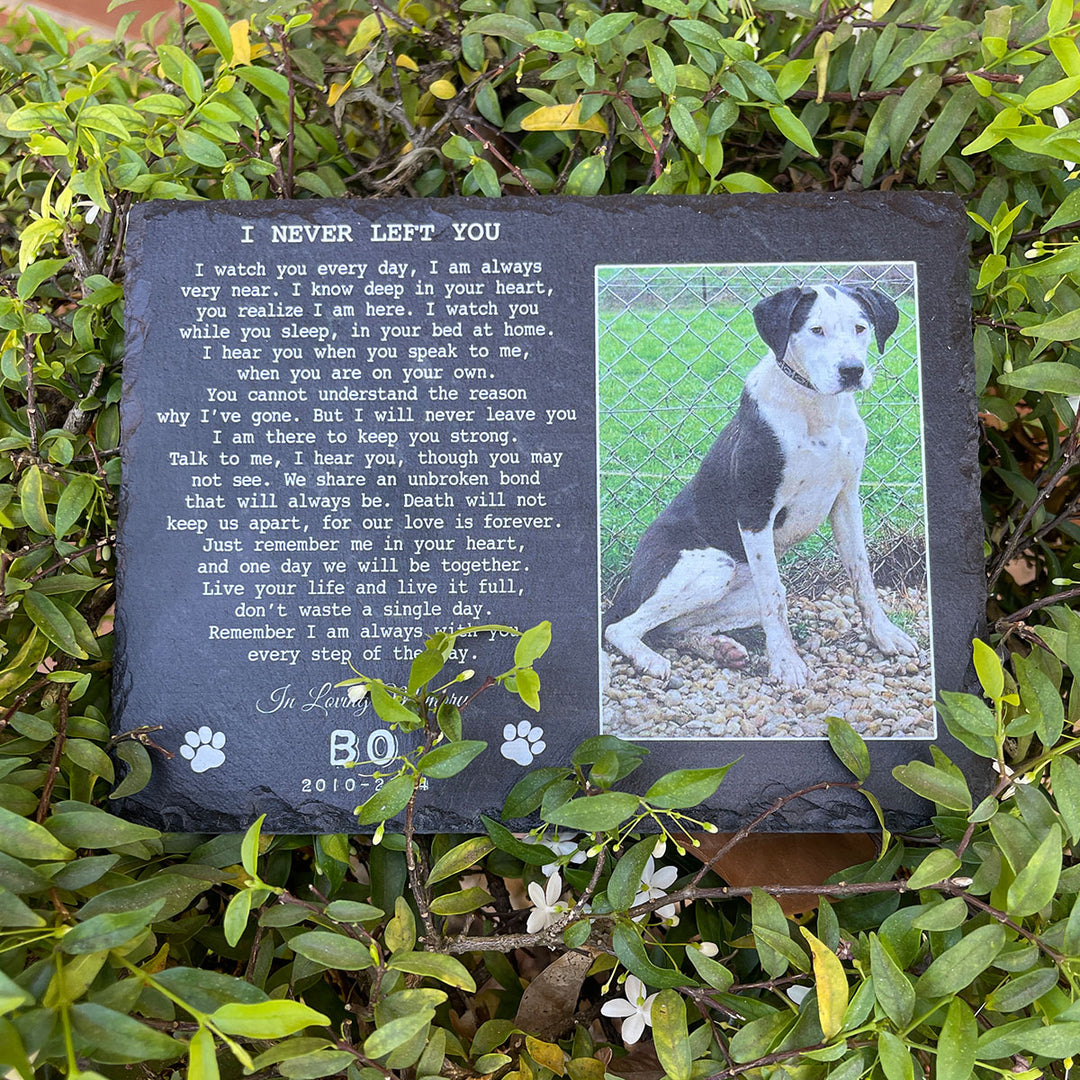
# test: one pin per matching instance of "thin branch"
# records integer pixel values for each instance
(54, 763)
(879, 95)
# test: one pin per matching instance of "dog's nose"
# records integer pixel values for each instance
(850, 375)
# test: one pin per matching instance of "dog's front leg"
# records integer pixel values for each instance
(785, 664)
(847, 527)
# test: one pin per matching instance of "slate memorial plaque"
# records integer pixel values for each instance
(349, 424)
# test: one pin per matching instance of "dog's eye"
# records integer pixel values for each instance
(819, 330)
(860, 329)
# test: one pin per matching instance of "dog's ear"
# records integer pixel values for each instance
(881, 310)
(778, 315)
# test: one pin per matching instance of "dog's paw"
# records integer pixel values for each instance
(790, 671)
(659, 667)
(890, 639)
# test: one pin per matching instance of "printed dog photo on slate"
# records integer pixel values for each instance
(763, 513)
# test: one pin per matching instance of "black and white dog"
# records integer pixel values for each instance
(790, 457)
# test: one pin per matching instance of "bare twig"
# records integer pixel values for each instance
(54, 763)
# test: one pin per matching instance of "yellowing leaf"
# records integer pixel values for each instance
(336, 90)
(562, 118)
(404, 61)
(443, 89)
(832, 985)
(240, 32)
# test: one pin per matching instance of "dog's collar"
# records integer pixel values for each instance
(791, 373)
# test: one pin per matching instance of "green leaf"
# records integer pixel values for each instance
(683, 124)
(1037, 881)
(909, 110)
(425, 666)
(526, 795)
(202, 1056)
(767, 914)
(459, 903)
(1065, 783)
(710, 971)
(448, 717)
(685, 787)
(671, 1038)
(272, 84)
(32, 500)
(388, 801)
(434, 966)
(217, 29)
(892, 988)
(1041, 699)
(587, 176)
(938, 865)
(448, 760)
(934, 784)
(389, 1036)
(12, 1051)
(1019, 993)
(534, 642)
(1045, 378)
(609, 26)
(389, 709)
(180, 69)
(109, 931)
(848, 745)
(895, 1059)
(595, 813)
(989, 670)
(92, 828)
(332, 950)
(956, 1044)
(793, 129)
(235, 920)
(36, 273)
(663, 70)
(351, 911)
(50, 620)
(504, 840)
(200, 149)
(249, 847)
(625, 881)
(460, 858)
(26, 839)
(498, 25)
(117, 1038)
(266, 1019)
(961, 964)
(831, 983)
(630, 949)
(73, 501)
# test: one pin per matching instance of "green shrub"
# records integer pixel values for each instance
(127, 952)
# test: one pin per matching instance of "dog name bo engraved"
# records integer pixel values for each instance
(725, 444)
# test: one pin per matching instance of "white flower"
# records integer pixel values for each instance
(561, 845)
(547, 905)
(1062, 119)
(655, 883)
(357, 692)
(708, 948)
(635, 1009)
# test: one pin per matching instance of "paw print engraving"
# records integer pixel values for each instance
(523, 742)
(203, 749)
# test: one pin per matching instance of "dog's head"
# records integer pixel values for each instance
(823, 332)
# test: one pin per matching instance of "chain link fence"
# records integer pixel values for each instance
(675, 344)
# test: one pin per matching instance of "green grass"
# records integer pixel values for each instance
(670, 379)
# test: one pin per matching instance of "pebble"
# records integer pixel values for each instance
(882, 697)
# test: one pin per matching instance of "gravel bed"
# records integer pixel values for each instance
(881, 697)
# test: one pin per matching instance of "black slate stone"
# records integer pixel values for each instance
(168, 672)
